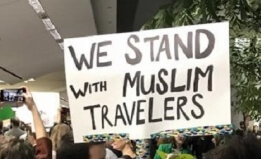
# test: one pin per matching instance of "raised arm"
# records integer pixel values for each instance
(43, 144)
(38, 123)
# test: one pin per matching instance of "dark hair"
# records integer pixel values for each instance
(5, 129)
(93, 143)
(16, 148)
(15, 122)
(32, 134)
(238, 147)
(133, 144)
(184, 144)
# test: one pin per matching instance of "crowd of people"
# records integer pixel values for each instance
(12, 147)
(202, 147)
(19, 142)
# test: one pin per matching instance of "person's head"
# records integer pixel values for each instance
(122, 144)
(238, 147)
(22, 126)
(15, 148)
(242, 125)
(61, 134)
(97, 151)
(163, 140)
(255, 128)
(216, 140)
(247, 120)
(15, 122)
(179, 139)
(249, 129)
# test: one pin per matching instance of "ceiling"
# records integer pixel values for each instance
(27, 49)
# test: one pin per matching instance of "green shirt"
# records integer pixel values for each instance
(167, 148)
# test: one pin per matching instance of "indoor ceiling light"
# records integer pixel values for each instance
(29, 80)
(55, 34)
(48, 24)
(37, 6)
(61, 45)
(2, 81)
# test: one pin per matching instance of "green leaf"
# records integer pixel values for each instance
(245, 22)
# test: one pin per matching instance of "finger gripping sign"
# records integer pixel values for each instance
(142, 83)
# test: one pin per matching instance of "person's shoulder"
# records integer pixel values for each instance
(20, 130)
(18, 133)
(43, 140)
(110, 154)
(43, 148)
(23, 136)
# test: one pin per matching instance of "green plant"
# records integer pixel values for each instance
(245, 41)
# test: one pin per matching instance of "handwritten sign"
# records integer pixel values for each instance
(144, 82)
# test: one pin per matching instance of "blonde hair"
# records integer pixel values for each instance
(61, 133)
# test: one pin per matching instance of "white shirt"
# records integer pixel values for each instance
(110, 154)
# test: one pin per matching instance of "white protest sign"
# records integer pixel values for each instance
(47, 104)
(145, 82)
